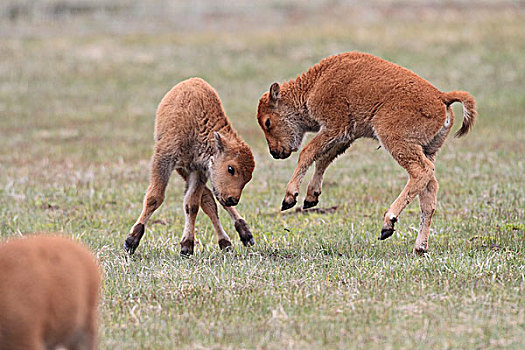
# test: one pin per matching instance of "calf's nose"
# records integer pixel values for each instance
(230, 202)
(274, 154)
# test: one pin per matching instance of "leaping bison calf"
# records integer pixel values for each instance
(49, 293)
(354, 95)
(194, 137)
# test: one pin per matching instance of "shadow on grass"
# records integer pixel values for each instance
(301, 211)
(267, 253)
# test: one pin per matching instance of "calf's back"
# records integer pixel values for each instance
(49, 293)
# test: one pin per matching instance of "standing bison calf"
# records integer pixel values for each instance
(194, 137)
(354, 95)
(49, 294)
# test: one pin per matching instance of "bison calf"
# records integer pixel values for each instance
(354, 95)
(194, 137)
(49, 294)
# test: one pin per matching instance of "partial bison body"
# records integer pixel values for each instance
(49, 293)
(194, 137)
(354, 95)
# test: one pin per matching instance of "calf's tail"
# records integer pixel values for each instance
(469, 108)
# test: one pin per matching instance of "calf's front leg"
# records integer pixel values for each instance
(194, 188)
(209, 207)
(241, 226)
(321, 164)
(320, 144)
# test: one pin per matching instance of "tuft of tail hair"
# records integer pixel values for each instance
(469, 108)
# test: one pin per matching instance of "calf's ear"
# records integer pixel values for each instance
(219, 141)
(275, 93)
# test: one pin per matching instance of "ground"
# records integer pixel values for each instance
(79, 85)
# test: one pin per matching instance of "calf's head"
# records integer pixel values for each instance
(231, 169)
(278, 122)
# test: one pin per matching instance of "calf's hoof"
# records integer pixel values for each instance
(225, 245)
(132, 242)
(244, 233)
(420, 249)
(186, 248)
(129, 245)
(385, 233)
(288, 204)
(309, 204)
(388, 228)
(248, 242)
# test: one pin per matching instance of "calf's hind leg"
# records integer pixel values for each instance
(195, 185)
(160, 174)
(420, 170)
(428, 196)
(427, 202)
(209, 207)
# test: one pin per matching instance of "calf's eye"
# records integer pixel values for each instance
(231, 170)
(267, 123)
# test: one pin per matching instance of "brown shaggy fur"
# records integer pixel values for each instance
(194, 137)
(49, 293)
(354, 95)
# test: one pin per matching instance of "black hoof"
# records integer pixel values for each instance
(385, 233)
(132, 242)
(244, 233)
(287, 205)
(308, 204)
(225, 245)
(248, 242)
(129, 246)
(186, 251)
(420, 251)
(186, 248)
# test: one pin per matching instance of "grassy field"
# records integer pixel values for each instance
(78, 91)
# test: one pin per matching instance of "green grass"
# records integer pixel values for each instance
(76, 118)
